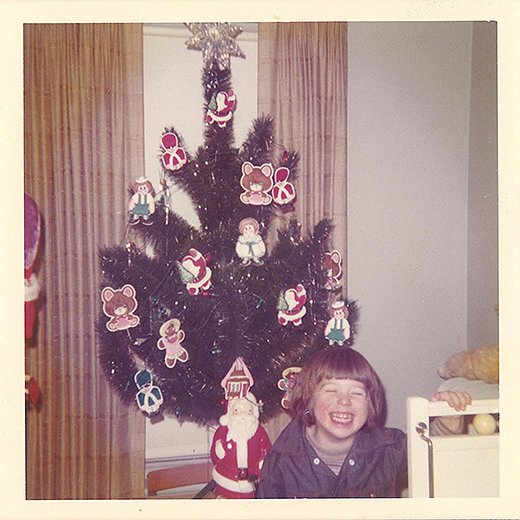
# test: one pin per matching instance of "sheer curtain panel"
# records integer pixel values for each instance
(302, 84)
(83, 119)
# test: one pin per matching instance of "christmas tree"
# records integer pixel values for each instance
(196, 299)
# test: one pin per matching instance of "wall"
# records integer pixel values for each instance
(409, 240)
(173, 96)
(483, 190)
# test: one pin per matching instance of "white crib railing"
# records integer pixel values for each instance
(452, 465)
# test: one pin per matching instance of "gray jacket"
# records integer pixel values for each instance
(376, 466)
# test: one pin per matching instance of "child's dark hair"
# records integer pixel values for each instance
(337, 363)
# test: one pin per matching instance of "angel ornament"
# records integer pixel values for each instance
(250, 246)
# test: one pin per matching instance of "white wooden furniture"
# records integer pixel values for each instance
(453, 465)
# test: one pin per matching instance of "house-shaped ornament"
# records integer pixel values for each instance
(237, 381)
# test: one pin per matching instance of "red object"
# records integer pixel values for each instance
(31, 297)
(32, 391)
(230, 481)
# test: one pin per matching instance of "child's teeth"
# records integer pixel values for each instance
(342, 416)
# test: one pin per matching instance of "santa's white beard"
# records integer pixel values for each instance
(241, 431)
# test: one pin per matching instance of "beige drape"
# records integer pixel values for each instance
(302, 83)
(83, 144)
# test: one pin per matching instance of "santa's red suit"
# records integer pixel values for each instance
(236, 465)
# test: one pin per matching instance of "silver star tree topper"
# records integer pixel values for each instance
(216, 41)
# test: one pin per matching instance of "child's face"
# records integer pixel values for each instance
(249, 230)
(121, 310)
(340, 407)
(338, 313)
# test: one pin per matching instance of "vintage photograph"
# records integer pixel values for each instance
(261, 261)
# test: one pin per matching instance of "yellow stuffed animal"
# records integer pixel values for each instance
(480, 363)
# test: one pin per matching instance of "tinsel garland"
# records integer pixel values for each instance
(239, 315)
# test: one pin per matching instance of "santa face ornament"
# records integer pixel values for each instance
(291, 305)
(195, 273)
(220, 108)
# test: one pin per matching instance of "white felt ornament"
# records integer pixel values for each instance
(291, 305)
(171, 338)
(220, 108)
(119, 305)
(250, 246)
(195, 273)
(283, 191)
(173, 157)
(149, 397)
(337, 329)
(257, 182)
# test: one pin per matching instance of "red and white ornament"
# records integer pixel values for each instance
(32, 229)
(220, 108)
(195, 272)
(283, 191)
(291, 305)
(173, 157)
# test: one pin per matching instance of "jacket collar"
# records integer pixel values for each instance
(292, 440)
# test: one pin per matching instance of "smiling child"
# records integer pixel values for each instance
(336, 445)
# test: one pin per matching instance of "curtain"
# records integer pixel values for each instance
(83, 144)
(302, 83)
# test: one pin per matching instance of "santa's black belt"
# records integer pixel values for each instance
(243, 474)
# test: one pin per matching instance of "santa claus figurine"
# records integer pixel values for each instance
(238, 449)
